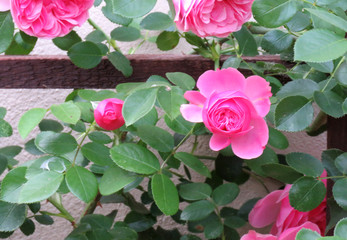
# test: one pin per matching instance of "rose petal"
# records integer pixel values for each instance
(219, 142)
(259, 92)
(229, 79)
(4, 5)
(290, 233)
(265, 210)
(252, 144)
(195, 97)
(252, 235)
(191, 112)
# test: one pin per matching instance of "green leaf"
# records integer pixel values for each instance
(50, 125)
(326, 67)
(299, 87)
(165, 194)
(293, 114)
(305, 164)
(340, 193)
(281, 172)
(125, 34)
(341, 163)
(195, 191)
(82, 183)
(344, 106)
(233, 62)
(341, 228)
(67, 112)
(44, 219)
(341, 73)
(99, 137)
(10, 151)
(66, 42)
(12, 216)
(330, 103)
(299, 22)
(274, 13)
(132, 110)
(171, 100)
(113, 17)
(194, 163)
(276, 41)
(96, 36)
(156, 137)
(3, 163)
(319, 45)
(121, 63)
(306, 193)
(183, 80)
(2, 112)
(133, 8)
(97, 153)
(124, 233)
(247, 43)
(328, 160)
(277, 139)
(156, 21)
(22, 44)
(329, 17)
(167, 40)
(55, 143)
(114, 179)
(85, 54)
(28, 227)
(225, 193)
(139, 222)
(97, 221)
(230, 167)
(234, 222)
(5, 129)
(6, 30)
(135, 158)
(17, 188)
(179, 124)
(268, 156)
(197, 210)
(307, 234)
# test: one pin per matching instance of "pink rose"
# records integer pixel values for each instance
(4, 5)
(289, 234)
(108, 114)
(212, 17)
(275, 208)
(232, 107)
(49, 18)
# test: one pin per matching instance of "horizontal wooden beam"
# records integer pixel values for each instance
(59, 72)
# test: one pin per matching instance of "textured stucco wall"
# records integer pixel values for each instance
(19, 101)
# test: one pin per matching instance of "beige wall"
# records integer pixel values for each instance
(20, 100)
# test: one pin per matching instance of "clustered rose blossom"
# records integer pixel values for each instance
(4, 5)
(212, 17)
(232, 107)
(108, 114)
(275, 208)
(289, 234)
(49, 18)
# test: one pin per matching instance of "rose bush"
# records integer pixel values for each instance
(49, 19)
(212, 17)
(232, 107)
(108, 114)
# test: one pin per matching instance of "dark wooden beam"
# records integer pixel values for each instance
(60, 72)
(337, 133)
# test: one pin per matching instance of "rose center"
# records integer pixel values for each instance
(227, 119)
(110, 115)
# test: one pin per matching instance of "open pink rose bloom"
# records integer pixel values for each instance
(4, 5)
(212, 17)
(108, 114)
(275, 209)
(232, 107)
(49, 18)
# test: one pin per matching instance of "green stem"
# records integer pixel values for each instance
(109, 40)
(195, 145)
(80, 145)
(90, 207)
(216, 64)
(308, 73)
(219, 217)
(333, 73)
(176, 174)
(65, 214)
(332, 177)
(176, 148)
(319, 121)
(172, 8)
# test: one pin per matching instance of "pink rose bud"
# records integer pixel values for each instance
(4, 5)
(252, 235)
(49, 18)
(108, 114)
(212, 17)
(232, 107)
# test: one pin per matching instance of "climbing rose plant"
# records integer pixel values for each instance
(105, 146)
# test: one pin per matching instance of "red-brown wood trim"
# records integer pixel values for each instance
(59, 72)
